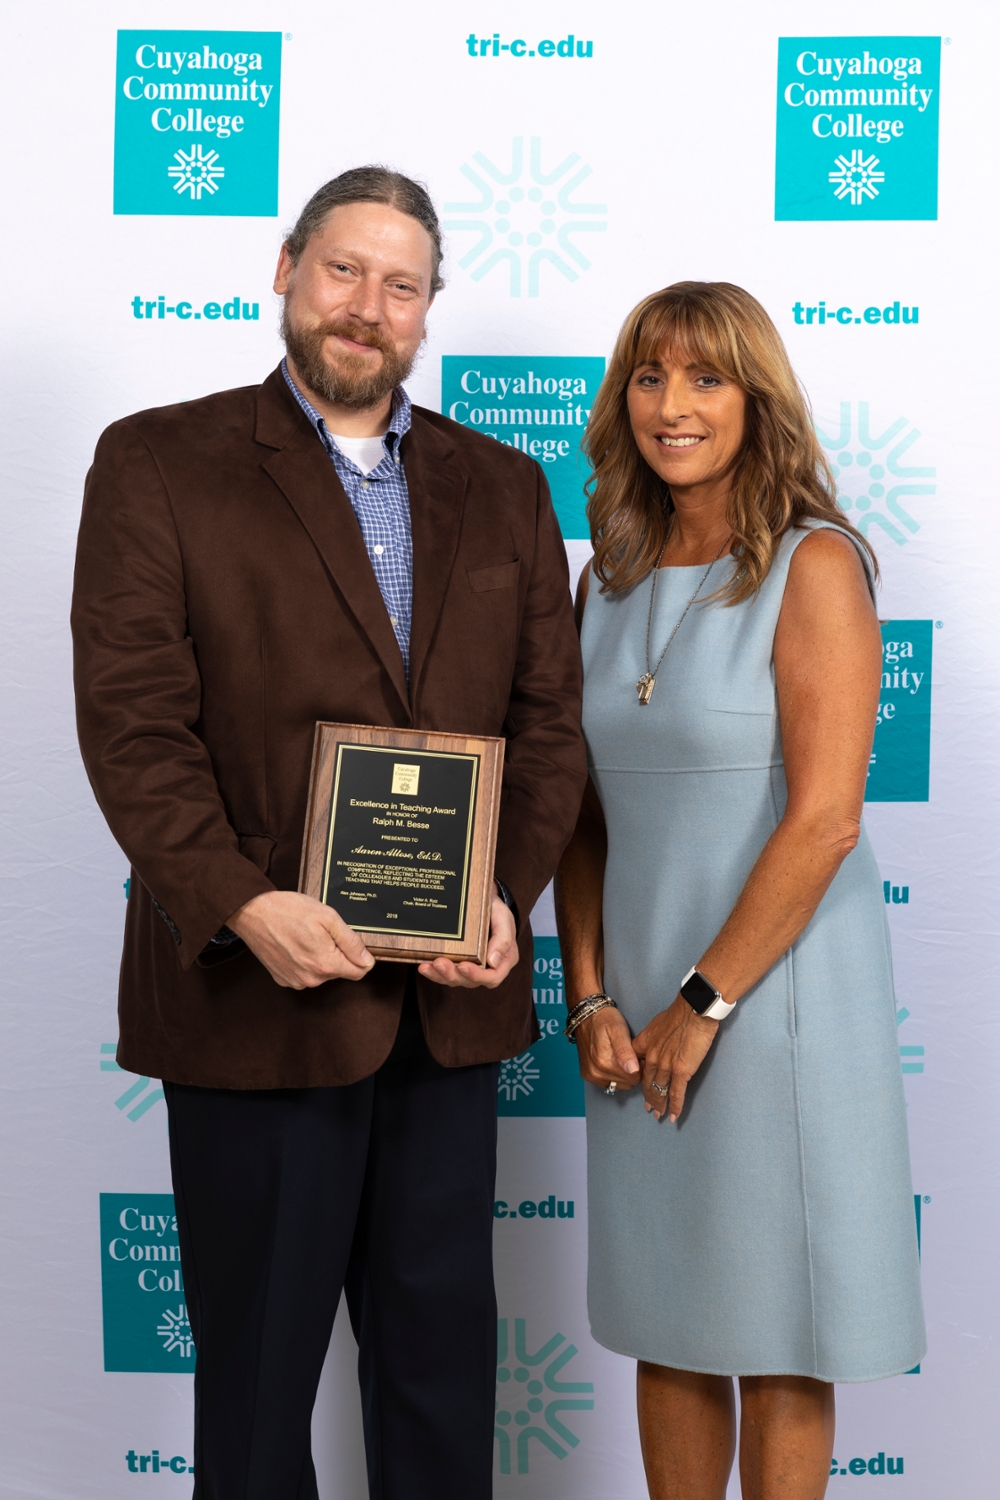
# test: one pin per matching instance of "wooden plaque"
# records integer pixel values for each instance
(400, 838)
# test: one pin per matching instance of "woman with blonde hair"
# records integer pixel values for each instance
(721, 915)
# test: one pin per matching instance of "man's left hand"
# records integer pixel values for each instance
(502, 950)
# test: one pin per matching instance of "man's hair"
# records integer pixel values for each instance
(372, 184)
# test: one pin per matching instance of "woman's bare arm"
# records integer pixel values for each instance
(827, 660)
(579, 887)
(827, 664)
(605, 1044)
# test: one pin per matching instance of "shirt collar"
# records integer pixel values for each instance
(400, 416)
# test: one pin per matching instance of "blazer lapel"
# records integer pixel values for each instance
(307, 479)
(437, 485)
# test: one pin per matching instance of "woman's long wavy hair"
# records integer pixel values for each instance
(781, 476)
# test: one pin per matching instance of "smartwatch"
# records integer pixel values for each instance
(703, 998)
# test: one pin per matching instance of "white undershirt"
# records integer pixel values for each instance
(365, 452)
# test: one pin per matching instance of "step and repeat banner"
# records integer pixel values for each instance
(838, 161)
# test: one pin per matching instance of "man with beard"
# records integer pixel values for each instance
(317, 548)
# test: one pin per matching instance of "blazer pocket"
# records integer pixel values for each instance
(500, 576)
(257, 848)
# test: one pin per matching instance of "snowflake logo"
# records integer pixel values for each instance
(531, 1394)
(196, 172)
(860, 480)
(175, 1330)
(518, 1075)
(109, 1065)
(856, 178)
(529, 217)
(908, 1055)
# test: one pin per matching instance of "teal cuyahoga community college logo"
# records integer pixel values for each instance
(857, 128)
(146, 1323)
(533, 1399)
(899, 769)
(545, 1080)
(539, 405)
(526, 218)
(196, 122)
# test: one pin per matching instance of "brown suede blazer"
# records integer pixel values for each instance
(224, 602)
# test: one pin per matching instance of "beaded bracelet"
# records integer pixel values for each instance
(587, 1007)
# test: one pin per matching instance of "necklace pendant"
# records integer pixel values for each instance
(644, 687)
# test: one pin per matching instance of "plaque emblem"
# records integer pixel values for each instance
(405, 780)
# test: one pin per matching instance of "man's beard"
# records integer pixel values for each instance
(352, 382)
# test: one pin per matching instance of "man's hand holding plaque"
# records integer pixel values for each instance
(300, 942)
(502, 956)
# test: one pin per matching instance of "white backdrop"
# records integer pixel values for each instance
(673, 111)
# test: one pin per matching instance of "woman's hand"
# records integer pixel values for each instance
(672, 1047)
(606, 1051)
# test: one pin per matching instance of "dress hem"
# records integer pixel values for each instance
(829, 1379)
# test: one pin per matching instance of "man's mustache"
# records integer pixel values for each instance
(373, 338)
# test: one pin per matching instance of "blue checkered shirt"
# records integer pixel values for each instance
(381, 503)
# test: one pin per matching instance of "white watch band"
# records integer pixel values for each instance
(719, 1008)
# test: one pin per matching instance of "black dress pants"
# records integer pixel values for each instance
(383, 1188)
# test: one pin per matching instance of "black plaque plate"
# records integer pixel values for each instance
(400, 839)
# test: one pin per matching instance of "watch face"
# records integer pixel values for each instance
(698, 993)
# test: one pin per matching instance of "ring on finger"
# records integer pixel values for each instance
(663, 1089)
(611, 1089)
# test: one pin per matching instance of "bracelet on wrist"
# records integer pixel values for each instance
(584, 1009)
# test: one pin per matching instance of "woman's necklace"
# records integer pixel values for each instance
(647, 682)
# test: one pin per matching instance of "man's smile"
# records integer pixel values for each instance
(355, 345)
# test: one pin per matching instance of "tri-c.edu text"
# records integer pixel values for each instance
(492, 46)
(545, 1208)
(819, 314)
(152, 1463)
(231, 312)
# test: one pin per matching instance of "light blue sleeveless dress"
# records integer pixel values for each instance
(772, 1229)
